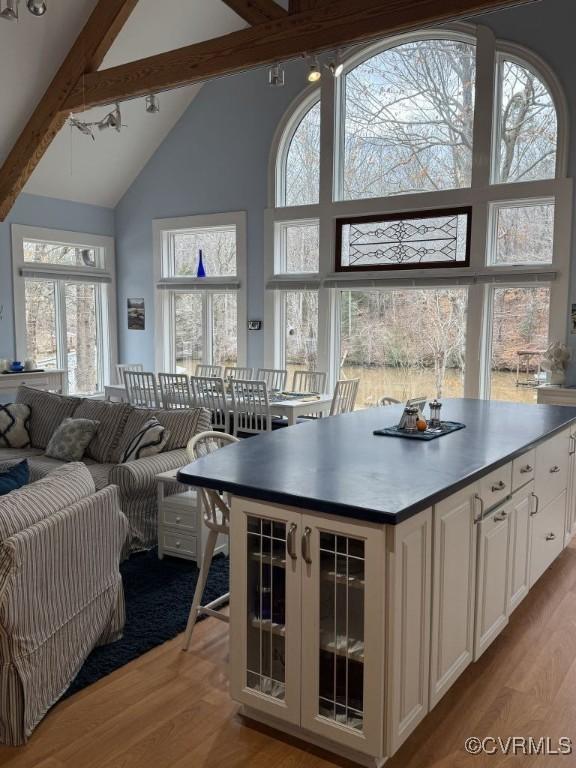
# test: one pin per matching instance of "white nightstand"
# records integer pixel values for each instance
(181, 531)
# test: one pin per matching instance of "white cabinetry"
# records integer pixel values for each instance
(548, 526)
(571, 497)
(521, 506)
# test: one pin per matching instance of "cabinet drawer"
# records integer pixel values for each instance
(179, 543)
(496, 486)
(547, 536)
(177, 518)
(551, 477)
(523, 469)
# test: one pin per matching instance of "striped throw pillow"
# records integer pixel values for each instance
(14, 423)
(148, 441)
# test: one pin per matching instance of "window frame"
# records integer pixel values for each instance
(104, 279)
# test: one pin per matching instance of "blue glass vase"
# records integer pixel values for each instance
(201, 272)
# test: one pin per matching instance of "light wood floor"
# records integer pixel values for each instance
(169, 708)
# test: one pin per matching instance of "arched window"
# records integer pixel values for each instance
(300, 166)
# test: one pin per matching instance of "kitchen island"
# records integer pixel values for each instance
(368, 572)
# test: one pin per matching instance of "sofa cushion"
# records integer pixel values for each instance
(100, 473)
(32, 503)
(149, 441)
(14, 422)
(112, 418)
(71, 439)
(48, 410)
(14, 477)
(183, 425)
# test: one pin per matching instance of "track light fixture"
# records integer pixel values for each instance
(152, 104)
(314, 73)
(10, 12)
(112, 120)
(37, 7)
(276, 76)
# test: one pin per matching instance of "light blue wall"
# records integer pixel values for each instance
(39, 211)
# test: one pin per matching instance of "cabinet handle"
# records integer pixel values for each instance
(306, 545)
(555, 469)
(550, 536)
(572, 449)
(535, 511)
(291, 541)
(178, 519)
(499, 486)
(500, 516)
(480, 500)
(524, 470)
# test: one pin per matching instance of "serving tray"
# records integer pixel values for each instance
(446, 427)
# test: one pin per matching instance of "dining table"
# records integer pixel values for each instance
(289, 405)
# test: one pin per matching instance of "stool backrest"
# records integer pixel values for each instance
(215, 507)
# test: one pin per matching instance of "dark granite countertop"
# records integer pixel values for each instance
(336, 465)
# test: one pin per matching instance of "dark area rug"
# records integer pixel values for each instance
(158, 597)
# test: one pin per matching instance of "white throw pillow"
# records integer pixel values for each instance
(148, 441)
(14, 420)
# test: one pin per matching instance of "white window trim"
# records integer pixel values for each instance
(480, 195)
(105, 273)
(161, 229)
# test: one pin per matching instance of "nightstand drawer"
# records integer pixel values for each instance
(496, 486)
(180, 543)
(523, 469)
(179, 518)
(551, 477)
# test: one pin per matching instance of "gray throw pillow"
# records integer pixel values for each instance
(71, 439)
(14, 425)
(148, 441)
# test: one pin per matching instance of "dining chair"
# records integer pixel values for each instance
(275, 378)
(388, 401)
(209, 392)
(216, 517)
(141, 389)
(344, 397)
(175, 391)
(208, 370)
(250, 407)
(309, 381)
(231, 372)
(121, 367)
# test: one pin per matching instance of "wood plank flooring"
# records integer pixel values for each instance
(171, 709)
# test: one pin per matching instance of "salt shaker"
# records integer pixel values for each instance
(411, 423)
(434, 420)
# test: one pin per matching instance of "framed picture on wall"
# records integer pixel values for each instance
(136, 315)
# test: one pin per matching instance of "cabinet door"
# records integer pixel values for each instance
(571, 499)
(453, 590)
(343, 605)
(521, 506)
(492, 582)
(265, 621)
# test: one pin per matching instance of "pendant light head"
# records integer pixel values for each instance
(276, 76)
(152, 105)
(11, 10)
(37, 7)
(314, 73)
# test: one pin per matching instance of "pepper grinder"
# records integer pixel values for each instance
(434, 420)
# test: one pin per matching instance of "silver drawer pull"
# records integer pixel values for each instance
(178, 519)
(537, 507)
(306, 553)
(524, 470)
(480, 500)
(555, 469)
(291, 541)
(499, 486)
(550, 536)
(177, 543)
(500, 516)
(572, 450)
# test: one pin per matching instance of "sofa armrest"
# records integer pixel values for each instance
(138, 477)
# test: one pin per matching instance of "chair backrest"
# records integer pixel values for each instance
(309, 381)
(141, 389)
(250, 406)
(344, 396)
(215, 507)
(275, 378)
(208, 370)
(388, 401)
(209, 392)
(231, 372)
(121, 367)
(175, 391)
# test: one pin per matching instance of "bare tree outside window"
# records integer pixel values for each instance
(218, 251)
(302, 169)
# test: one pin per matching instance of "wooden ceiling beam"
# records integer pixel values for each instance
(256, 11)
(86, 55)
(299, 6)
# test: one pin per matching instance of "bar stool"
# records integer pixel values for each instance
(216, 517)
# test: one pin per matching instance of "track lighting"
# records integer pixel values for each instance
(314, 73)
(152, 105)
(37, 7)
(112, 120)
(11, 10)
(276, 76)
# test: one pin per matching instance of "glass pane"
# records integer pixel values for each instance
(55, 253)
(218, 247)
(300, 246)
(527, 128)
(519, 338)
(301, 341)
(82, 338)
(266, 607)
(341, 687)
(41, 338)
(409, 120)
(188, 324)
(396, 242)
(404, 343)
(302, 171)
(224, 329)
(524, 234)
